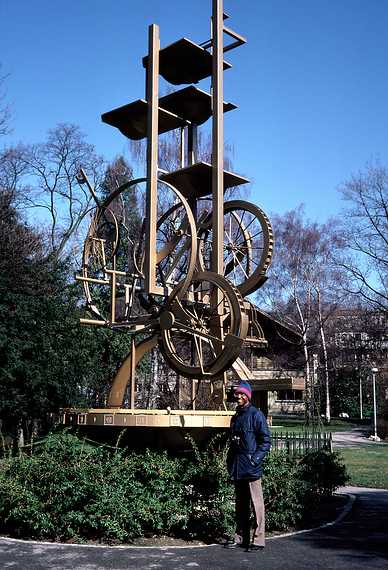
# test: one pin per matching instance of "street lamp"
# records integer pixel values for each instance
(374, 437)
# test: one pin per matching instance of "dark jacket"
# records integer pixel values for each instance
(250, 443)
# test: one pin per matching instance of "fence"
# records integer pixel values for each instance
(299, 443)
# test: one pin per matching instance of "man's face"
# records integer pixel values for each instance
(241, 399)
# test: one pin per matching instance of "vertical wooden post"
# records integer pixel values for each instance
(192, 144)
(193, 392)
(132, 380)
(224, 381)
(216, 326)
(183, 147)
(152, 96)
(113, 291)
(218, 137)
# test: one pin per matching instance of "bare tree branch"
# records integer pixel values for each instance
(5, 111)
(51, 169)
(365, 234)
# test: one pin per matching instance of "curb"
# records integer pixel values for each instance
(346, 510)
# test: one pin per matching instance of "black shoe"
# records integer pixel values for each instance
(255, 548)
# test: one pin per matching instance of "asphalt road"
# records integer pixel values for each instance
(358, 542)
(355, 438)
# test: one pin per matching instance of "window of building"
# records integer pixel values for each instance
(290, 395)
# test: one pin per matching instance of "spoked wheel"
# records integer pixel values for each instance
(248, 245)
(115, 244)
(100, 248)
(202, 332)
(176, 240)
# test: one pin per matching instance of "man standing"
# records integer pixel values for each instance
(250, 443)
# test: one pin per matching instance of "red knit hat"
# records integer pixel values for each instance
(244, 388)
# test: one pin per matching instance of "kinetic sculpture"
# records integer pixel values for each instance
(179, 279)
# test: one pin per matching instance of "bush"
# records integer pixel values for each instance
(71, 490)
(58, 483)
(322, 472)
(209, 493)
(283, 492)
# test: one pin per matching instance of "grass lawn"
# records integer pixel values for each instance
(367, 465)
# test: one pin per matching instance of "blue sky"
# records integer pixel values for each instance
(311, 84)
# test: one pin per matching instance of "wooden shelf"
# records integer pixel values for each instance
(196, 181)
(191, 104)
(175, 110)
(184, 62)
(131, 120)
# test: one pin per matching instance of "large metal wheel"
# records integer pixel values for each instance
(202, 332)
(115, 246)
(248, 245)
(100, 247)
(176, 240)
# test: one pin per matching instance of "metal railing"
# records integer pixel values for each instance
(299, 443)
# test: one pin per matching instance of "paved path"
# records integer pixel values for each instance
(358, 542)
(354, 438)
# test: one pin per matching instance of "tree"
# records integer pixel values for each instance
(356, 339)
(365, 234)
(12, 171)
(303, 289)
(169, 155)
(52, 168)
(21, 249)
(5, 112)
(127, 206)
(26, 286)
(11, 166)
(117, 173)
(47, 360)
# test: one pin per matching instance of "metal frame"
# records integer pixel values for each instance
(218, 136)
(168, 283)
(152, 98)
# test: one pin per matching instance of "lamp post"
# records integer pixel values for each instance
(374, 437)
(360, 380)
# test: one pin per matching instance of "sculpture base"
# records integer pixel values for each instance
(160, 429)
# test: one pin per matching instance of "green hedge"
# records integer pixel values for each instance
(68, 489)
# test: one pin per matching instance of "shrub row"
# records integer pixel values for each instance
(71, 490)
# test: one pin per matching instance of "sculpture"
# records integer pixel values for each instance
(181, 282)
